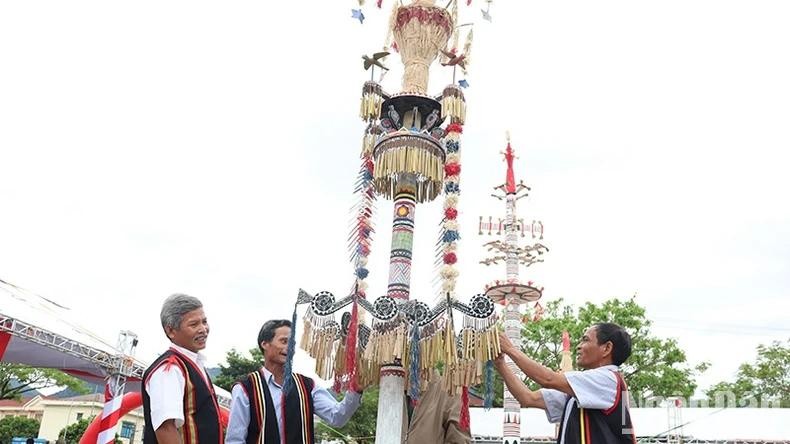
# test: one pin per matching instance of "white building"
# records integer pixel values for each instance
(702, 424)
(59, 413)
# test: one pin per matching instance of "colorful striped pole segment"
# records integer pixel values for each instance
(402, 239)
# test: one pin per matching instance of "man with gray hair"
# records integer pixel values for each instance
(179, 403)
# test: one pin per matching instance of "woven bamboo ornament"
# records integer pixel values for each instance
(318, 340)
(387, 343)
(370, 104)
(420, 32)
(408, 154)
(479, 339)
(464, 373)
(454, 104)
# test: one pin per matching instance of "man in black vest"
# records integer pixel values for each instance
(591, 405)
(257, 409)
(179, 403)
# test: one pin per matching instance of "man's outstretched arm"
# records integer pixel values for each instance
(517, 388)
(335, 413)
(544, 376)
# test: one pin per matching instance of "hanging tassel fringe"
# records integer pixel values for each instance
(290, 356)
(339, 367)
(370, 104)
(480, 339)
(408, 155)
(351, 347)
(465, 421)
(414, 365)
(387, 343)
(453, 104)
(489, 377)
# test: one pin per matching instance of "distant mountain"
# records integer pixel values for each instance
(13, 383)
(69, 393)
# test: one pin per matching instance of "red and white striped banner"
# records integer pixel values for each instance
(109, 417)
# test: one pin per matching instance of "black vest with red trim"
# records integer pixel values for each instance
(298, 411)
(594, 426)
(201, 411)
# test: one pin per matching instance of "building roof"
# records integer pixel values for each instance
(91, 397)
(11, 403)
(21, 404)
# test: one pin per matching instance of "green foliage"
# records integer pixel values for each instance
(361, 429)
(765, 381)
(17, 426)
(657, 367)
(17, 379)
(72, 433)
(238, 365)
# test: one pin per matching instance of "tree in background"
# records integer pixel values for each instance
(72, 433)
(238, 365)
(657, 367)
(361, 428)
(17, 426)
(765, 382)
(17, 379)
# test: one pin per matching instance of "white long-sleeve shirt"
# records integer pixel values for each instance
(594, 389)
(165, 387)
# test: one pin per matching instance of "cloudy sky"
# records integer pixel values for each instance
(211, 148)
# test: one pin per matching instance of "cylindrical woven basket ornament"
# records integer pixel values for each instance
(420, 30)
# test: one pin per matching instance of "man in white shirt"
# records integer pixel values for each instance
(592, 405)
(179, 403)
(261, 413)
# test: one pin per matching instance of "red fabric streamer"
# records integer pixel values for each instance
(378, 3)
(351, 348)
(451, 213)
(450, 258)
(465, 408)
(468, 2)
(455, 128)
(510, 180)
(452, 169)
